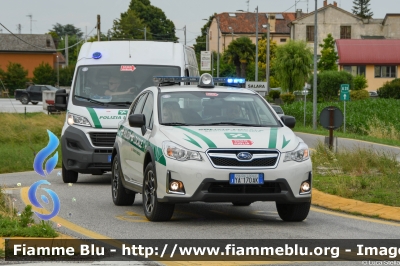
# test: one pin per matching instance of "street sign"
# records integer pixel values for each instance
(205, 61)
(260, 87)
(331, 117)
(345, 92)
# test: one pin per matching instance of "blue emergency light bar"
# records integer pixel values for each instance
(206, 80)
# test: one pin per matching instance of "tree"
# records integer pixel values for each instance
(129, 26)
(293, 65)
(360, 82)
(201, 41)
(328, 55)
(44, 74)
(361, 9)
(67, 29)
(328, 84)
(240, 52)
(15, 77)
(154, 19)
(66, 74)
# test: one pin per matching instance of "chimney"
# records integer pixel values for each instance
(334, 3)
(271, 21)
(325, 2)
(299, 13)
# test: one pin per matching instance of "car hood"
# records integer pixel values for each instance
(203, 138)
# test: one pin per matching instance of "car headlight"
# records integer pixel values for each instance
(301, 153)
(176, 152)
(78, 120)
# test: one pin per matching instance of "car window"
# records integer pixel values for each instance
(44, 88)
(137, 109)
(51, 88)
(36, 88)
(148, 109)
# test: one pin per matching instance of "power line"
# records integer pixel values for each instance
(295, 3)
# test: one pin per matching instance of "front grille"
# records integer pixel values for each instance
(103, 139)
(227, 158)
(104, 151)
(225, 187)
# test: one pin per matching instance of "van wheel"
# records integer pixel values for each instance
(153, 209)
(69, 176)
(24, 100)
(241, 203)
(34, 103)
(120, 195)
(293, 212)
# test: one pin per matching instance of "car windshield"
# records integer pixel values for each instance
(277, 109)
(115, 85)
(214, 108)
(51, 88)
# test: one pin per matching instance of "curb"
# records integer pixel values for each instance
(355, 206)
(60, 237)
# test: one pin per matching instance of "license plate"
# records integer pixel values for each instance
(109, 158)
(243, 179)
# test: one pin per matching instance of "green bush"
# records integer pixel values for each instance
(391, 89)
(359, 95)
(360, 82)
(273, 82)
(287, 98)
(328, 84)
(274, 94)
(15, 77)
(44, 74)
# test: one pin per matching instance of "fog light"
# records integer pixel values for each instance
(305, 187)
(174, 185)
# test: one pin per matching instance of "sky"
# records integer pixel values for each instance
(189, 13)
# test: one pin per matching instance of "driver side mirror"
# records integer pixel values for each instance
(138, 120)
(289, 121)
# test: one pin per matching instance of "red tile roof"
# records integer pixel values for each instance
(351, 51)
(244, 22)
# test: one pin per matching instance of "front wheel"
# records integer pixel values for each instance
(153, 209)
(293, 212)
(24, 100)
(69, 176)
(35, 103)
(120, 196)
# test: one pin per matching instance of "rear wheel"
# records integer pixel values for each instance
(240, 203)
(24, 100)
(154, 210)
(120, 195)
(34, 103)
(69, 176)
(293, 212)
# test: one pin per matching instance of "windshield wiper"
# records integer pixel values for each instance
(120, 103)
(90, 100)
(228, 123)
(174, 124)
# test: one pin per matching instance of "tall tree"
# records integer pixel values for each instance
(15, 77)
(328, 55)
(262, 57)
(240, 52)
(129, 26)
(293, 65)
(154, 19)
(201, 41)
(67, 29)
(361, 8)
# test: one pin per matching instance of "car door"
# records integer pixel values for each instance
(35, 93)
(129, 147)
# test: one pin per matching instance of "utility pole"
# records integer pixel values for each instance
(184, 30)
(256, 78)
(30, 16)
(66, 49)
(208, 39)
(267, 77)
(19, 28)
(98, 28)
(218, 48)
(315, 68)
(145, 34)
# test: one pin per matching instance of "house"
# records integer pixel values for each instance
(235, 25)
(30, 50)
(378, 60)
(343, 25)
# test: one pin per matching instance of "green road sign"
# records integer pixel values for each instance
(345, 92)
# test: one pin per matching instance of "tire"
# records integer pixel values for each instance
(154, 210)
(69, 176)
(24, 100)
(120, 195)
(293, 212)
(35, 103)
(238, 203)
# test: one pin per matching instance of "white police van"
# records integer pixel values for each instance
(209, 143)
(92, 116)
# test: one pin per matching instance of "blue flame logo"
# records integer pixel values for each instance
(44, 153)
(35, 202)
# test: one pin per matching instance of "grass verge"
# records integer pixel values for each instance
(360, 174)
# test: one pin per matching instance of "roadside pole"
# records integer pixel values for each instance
(305, 104)
(344, 96)
(344, 118)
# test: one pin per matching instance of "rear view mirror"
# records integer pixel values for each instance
(60, 101)
(289, 121)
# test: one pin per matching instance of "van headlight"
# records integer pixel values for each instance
(301, 153)
(78, 120)
(176, 152)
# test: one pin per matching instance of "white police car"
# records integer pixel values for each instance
(185, 143)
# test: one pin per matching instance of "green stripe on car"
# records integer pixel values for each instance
(272, 138)
(95, 119)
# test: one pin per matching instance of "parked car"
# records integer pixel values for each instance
(278, 110)
(32, 94)
(373, 94)
(187, 143)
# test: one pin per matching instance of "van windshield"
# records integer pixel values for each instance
(115, 85)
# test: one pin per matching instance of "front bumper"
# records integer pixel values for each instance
(203, 182)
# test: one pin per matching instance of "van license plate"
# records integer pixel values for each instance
(244, 179)
(109, 158)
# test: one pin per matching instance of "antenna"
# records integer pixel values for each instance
(248, 3)
(30, 16)
(19, 28)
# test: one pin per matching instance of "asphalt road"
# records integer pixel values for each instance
(10, 105)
